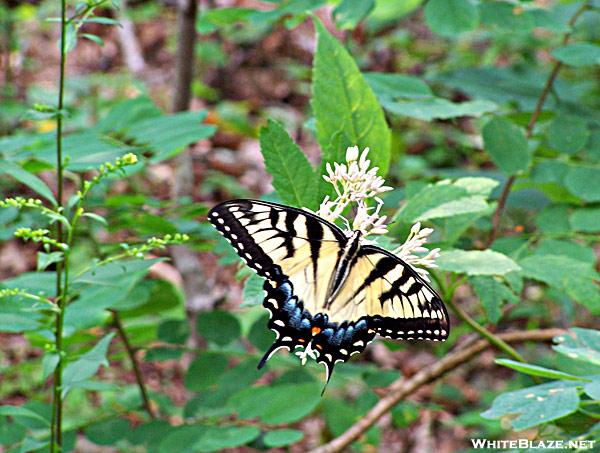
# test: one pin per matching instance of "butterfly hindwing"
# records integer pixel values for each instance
(396, 302)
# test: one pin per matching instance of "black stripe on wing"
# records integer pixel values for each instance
(424, 315)
(250, 226)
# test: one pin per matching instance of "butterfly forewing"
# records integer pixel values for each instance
(277, 241)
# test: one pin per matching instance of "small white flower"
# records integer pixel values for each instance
(356, 182)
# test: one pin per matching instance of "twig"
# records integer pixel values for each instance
(401, 388)
(134, 363)
(532, 122)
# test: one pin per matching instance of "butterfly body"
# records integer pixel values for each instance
(327, 292)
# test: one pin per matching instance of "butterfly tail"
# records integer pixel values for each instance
(274, 348)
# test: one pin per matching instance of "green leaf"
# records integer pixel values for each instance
(476, 262)
(464, 205)
(87, 365)
(218, 438)
(19, 411)
(438, 108)
(492, 294)
(586, 220)
(571, 276)
(507, 146)
(46, 259)
(578, 55)
(572, 250)
(259, 335)
(535, 370)
(568, 134)
(507, 16)
(287, 403)
(175, 331)
(205, 370)
(282, 437)
(584, 182)
(253, 293)
(448, 199)
(107, 432)
(449, 18)
(293, 177)
(390, 87)
(219, 327)
(349, 13)
(580, 344)
(29, 179)
(593, 389)
(342, 101)
(536, 405)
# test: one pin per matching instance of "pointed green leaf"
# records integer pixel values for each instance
(507, 146)
(87, 365)
(29, 179)
(535, 370)
(451, 17)
(293, 177)
(343, 101)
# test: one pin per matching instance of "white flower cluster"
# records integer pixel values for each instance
(414, 244)
(355, 182)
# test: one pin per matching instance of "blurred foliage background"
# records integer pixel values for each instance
(484, 115)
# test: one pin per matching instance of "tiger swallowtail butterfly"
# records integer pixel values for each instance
(327, 292)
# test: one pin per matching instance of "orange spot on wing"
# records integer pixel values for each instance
(315, 330)
(319, 347)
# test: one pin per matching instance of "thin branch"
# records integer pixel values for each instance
(402, 388)
(134, 363)
(532, 122)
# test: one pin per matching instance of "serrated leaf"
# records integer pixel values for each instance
(535, 370)
(87, 365)
(451, 17)
(536, 405)
(293, 177)
(507, 146)
(476, 262)
(342, 101)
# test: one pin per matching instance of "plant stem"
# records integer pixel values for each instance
(61, 290)
(482, 331)
(136, 367)
(532, 122)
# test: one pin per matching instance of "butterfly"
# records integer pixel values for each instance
(328, 292)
